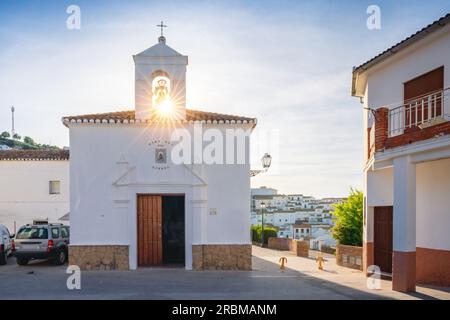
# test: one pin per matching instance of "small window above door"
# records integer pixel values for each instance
(54, 187)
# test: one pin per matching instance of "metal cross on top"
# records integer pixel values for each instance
(162, 25)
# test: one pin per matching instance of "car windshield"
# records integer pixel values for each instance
(32, 233)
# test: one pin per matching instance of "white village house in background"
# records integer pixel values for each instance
(34, 185)
(405, 93)
(295, 215)
(131, 205)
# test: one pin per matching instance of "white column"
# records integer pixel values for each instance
(404, 226)
(368, 227)
(404, 233)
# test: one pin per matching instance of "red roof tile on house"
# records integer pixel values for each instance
(36, 155)
(301, 225)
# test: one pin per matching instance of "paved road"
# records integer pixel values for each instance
(42, 280)
(337, 278)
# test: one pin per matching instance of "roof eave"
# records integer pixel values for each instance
(357, 82)
(354, 78)
(87, 121)
(436, 25)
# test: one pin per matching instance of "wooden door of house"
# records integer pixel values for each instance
(149, 233)
(383, 238)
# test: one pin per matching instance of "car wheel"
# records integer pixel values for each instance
(22, 261)
(61, 257)
(3, 258)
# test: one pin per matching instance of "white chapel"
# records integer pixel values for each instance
(160, 184)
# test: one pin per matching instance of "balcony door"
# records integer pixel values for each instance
(423, 97)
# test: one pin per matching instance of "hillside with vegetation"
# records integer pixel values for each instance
(17, 143)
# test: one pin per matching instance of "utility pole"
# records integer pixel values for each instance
(263, 206)
(12, 121)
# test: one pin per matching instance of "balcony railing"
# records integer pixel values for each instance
(421, 112)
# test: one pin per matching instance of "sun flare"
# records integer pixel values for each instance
(165, 107)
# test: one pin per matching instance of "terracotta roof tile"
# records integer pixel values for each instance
(34, 155)
(302, 225)
(129, 116)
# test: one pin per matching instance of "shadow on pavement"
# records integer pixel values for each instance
(334, 290)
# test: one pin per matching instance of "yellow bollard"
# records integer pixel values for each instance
(320, 260)
(283, 261)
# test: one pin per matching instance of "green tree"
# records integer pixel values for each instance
(16, 136)
(348, 229)
(5, 134)
(269, 232)
(29, 140)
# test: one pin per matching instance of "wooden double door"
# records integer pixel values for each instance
(383, 241)
(160, 230)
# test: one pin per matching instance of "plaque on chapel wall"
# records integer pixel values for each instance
(161, 153)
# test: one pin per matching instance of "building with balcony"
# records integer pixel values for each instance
(405, 94)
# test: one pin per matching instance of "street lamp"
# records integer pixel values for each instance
(263, 206)
(266, 161)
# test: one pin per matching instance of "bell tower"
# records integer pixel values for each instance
(160, 82)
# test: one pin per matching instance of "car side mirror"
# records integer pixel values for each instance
(12, 236)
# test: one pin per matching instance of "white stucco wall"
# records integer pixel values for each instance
(432, 201)
(433, 204)
(385, 81)
(24, 191)
(102, 213)
(284, 218)
(379, 187)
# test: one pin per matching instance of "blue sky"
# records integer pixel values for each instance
(288, 63)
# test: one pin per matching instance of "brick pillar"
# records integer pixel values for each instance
(381, 128)
(368, 257)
